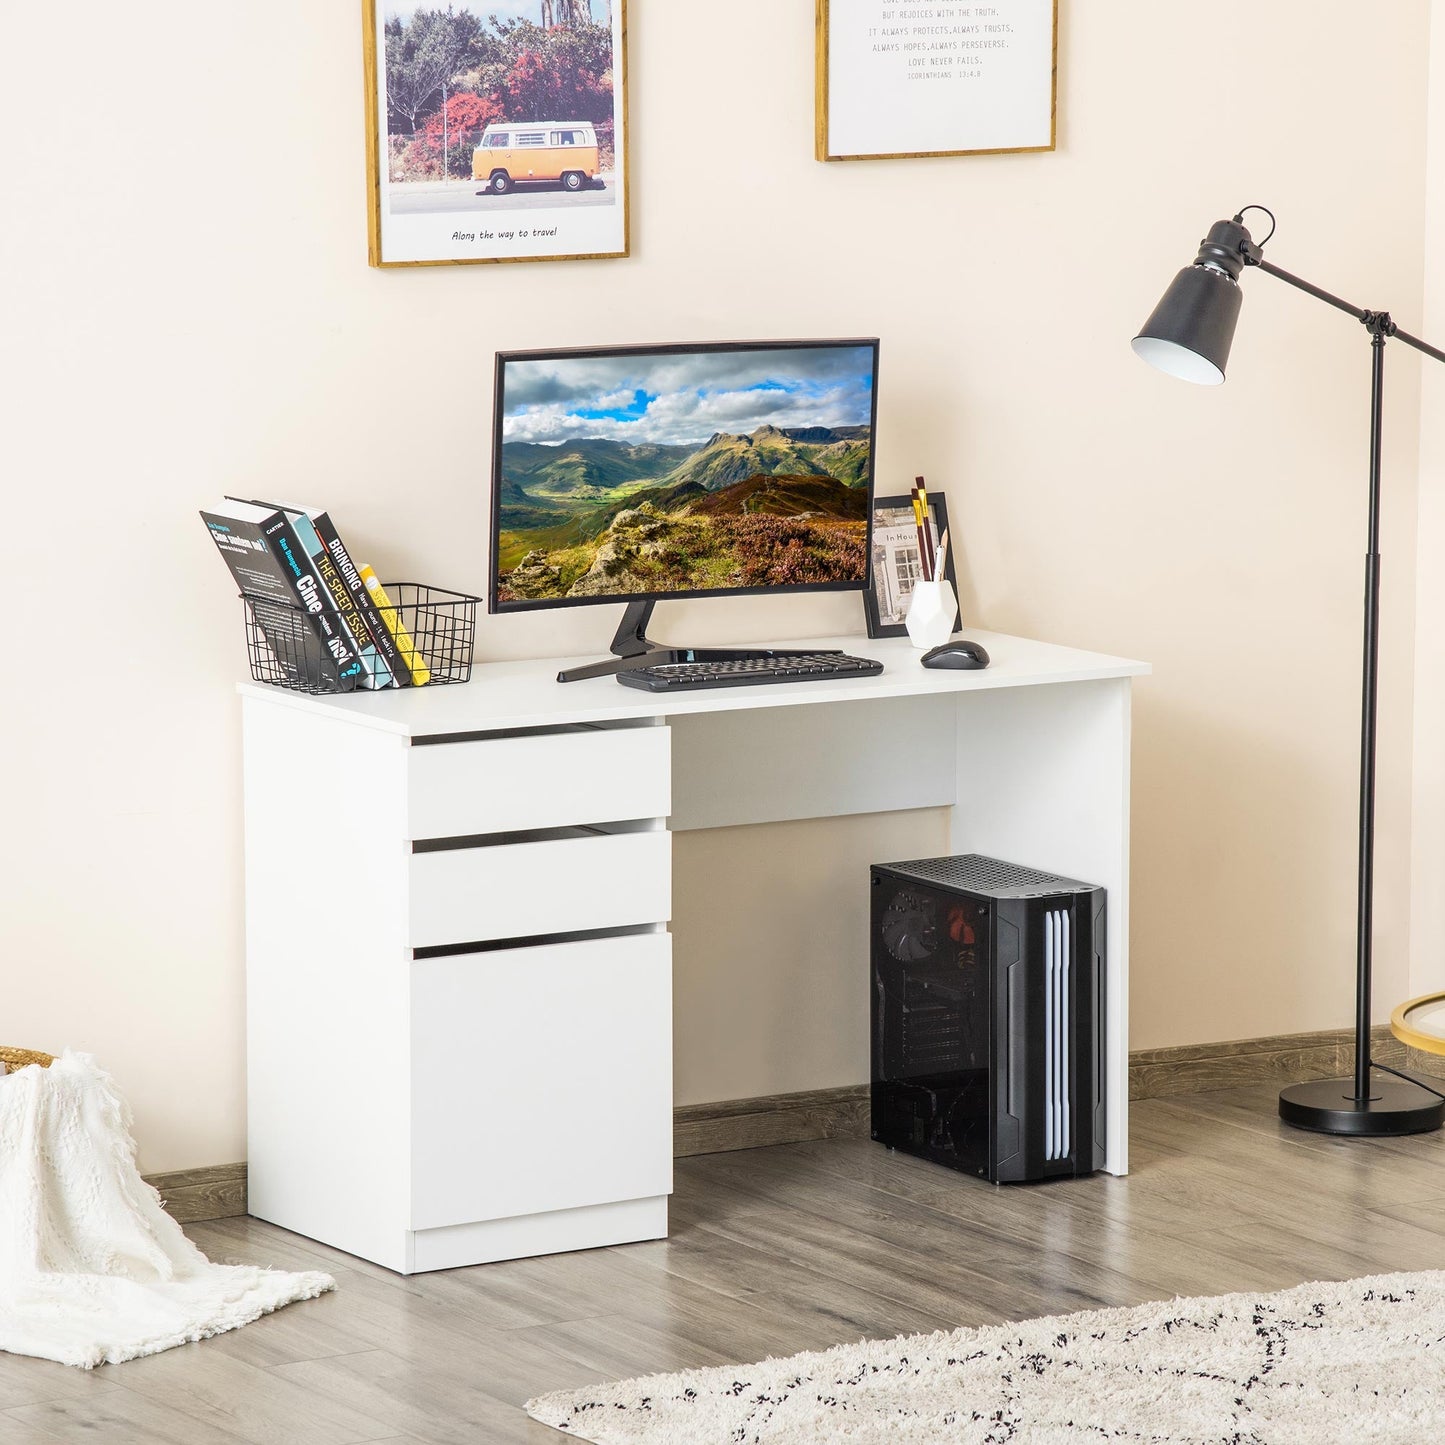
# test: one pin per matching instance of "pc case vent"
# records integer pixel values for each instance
(1058, 1025)
(977, 873)
(932, 1031)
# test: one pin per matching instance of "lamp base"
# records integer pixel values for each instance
(1329, 1106)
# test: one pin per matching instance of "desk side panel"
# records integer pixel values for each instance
(1043, 780)
(327, 979)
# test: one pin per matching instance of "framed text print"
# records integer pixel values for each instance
(935, 77)
(495, 132)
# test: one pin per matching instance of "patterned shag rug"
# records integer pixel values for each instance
(1318, 1365)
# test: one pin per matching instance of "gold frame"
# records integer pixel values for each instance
(373, 165)
(1413, 1038)
(820, 107)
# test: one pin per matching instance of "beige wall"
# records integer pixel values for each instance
(189, 311)
(770, 989)
(1427, 931)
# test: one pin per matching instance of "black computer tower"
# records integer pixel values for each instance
(988, 1017)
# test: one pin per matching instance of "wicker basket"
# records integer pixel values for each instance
(18, 1058)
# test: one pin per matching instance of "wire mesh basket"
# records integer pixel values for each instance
(433, 629)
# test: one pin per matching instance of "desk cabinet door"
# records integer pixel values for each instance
(541, 1079)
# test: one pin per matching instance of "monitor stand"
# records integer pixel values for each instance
(633, 648)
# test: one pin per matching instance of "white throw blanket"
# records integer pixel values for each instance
(92, 1269)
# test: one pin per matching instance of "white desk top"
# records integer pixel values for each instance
(527, 694)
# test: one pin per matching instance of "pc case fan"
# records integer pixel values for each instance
(909, 929)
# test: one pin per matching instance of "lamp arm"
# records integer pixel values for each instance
(1418, 344)
(1358, 312)
(1372, 319)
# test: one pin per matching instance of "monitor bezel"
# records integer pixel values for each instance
(494, 603)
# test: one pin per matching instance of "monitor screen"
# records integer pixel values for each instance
(679, 471)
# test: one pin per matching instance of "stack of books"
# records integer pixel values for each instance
(328, 621)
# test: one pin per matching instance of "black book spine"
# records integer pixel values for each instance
(293, 644)
(375, 672)
(269, 586)
(309, 592)
(380, 632)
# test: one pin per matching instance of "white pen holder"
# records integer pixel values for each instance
(931, 613)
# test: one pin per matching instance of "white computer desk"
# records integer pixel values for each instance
(458, 961)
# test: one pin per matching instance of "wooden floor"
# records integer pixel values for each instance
(773, 1251)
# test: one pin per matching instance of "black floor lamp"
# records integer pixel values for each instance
(1188, 336)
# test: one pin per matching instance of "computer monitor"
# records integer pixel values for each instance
(640, 473)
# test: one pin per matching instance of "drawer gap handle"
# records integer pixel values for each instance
(535, 940)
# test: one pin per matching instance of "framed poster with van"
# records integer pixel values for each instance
(897, 565)
(495, 131)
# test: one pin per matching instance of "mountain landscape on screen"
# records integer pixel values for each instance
(645, 509)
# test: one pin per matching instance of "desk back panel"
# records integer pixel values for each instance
(772, 765)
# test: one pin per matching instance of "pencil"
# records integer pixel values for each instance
(930, 571)
(942, 558)
(920, 524)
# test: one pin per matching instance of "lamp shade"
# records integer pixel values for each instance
(1188, 335)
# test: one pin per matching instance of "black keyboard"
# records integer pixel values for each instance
(749, 671)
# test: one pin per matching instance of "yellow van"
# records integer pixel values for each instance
(537, 150)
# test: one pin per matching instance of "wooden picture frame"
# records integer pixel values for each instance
(895, 561)
(441, 98)
(955, 79)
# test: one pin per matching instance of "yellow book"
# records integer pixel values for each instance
(420, 672)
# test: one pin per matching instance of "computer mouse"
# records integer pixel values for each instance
(960, 653)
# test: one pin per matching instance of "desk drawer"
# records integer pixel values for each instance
(548, 780)
(541, 1079)
(556, 885)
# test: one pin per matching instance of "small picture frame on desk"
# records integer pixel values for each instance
(897, 565)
